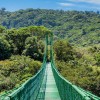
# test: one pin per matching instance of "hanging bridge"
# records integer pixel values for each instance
(48, 84)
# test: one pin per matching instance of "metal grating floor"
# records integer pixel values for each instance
(51, 92)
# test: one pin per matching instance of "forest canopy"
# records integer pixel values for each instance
(78, 27)
(23, 41)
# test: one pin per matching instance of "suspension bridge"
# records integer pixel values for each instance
(48, 84)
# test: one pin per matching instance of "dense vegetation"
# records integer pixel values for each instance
(81, 66)
(21, 54)
(16, 70)
(78, 27)
(25, 40)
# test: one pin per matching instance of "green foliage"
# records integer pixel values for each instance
(17, 39)
(2, 29)
(96, 53)
(84, 69)
(5, 50)
(33, 48)
(78, 27)
(22, 41)
(97, 57)
(16, 70)
(63, 50)
(84, 76)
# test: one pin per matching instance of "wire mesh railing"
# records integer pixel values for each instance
(67, 90)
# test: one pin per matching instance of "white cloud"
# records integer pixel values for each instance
(88, 1)
(66, 4)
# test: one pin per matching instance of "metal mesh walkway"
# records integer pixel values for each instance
(51, 92)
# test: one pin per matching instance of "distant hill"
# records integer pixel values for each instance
(78, 27)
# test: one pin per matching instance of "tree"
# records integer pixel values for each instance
(63, 50)
(33, 48)
(84, 32)
(2, 29)
(5, 51)
(18, 37)
(2, 10)
(41, 47)
(97, 57)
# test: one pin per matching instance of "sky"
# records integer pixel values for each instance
(80, 5)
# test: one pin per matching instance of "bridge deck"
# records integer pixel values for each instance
(51, 92)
